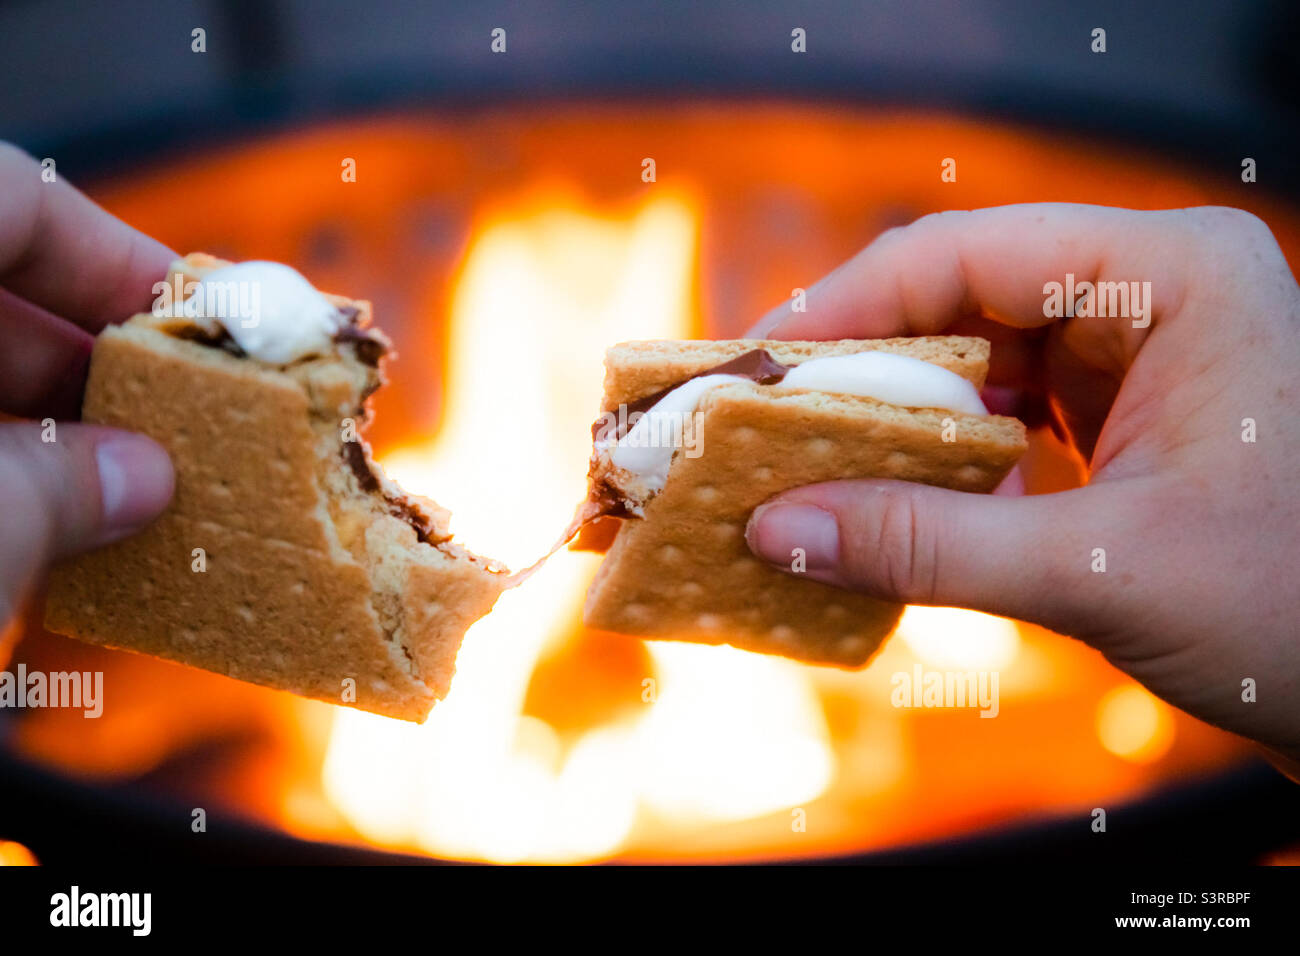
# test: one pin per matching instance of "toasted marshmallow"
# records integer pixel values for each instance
(884, 376)
(642, 451)
(887, 377)
(271, 311)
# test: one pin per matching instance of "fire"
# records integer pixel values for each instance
(960, 640)
(584, 767)
(15, 854)
(1134, 724)
(721, 736)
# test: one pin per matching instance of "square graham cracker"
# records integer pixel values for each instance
(684, 571)
(311, 579)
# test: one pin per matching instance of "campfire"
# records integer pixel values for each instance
(503, 256)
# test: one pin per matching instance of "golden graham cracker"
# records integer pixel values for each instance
(636, 369)
(308, 580)
(684, 571)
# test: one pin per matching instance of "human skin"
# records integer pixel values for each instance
(1201, 529)
(67, 269)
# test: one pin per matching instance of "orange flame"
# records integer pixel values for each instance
(723, 735)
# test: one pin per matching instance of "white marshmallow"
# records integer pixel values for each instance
(639, 452)
(884, 376)
(271, 311)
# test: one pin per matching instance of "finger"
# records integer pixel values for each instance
(774, 317)
(66, 254)
(1023, 557)
(68, 489)
(921, 278)
(1013, 485)
(43, 362)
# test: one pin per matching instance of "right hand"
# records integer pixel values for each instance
(1201, 529)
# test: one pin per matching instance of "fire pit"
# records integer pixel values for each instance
(485, 243)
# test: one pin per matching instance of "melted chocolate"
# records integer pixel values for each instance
(597, 534)
(219, 340)
(600, 517)
(757, 365)
(355, 454)
(425, 527)
(369, 345)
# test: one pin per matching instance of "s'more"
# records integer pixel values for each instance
(693, 436)
(286, 558)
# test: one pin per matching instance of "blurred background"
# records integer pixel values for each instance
(503, 223)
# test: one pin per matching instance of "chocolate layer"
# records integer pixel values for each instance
(370, 346)
(355, 454)
(595, 525)
(757, 365)
(425, 527)
(220, 340)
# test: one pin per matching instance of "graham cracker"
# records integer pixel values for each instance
(310, 582)
(636, 369)
(684, 571)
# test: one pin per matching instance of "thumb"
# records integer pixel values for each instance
(1026, 557)
(68, 487)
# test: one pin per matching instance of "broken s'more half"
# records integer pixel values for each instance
(286, 558)
(694, 436)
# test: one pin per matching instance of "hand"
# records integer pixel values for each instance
(1201, 529)
(89, 485)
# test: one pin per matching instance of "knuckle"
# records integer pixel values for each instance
(930, 222)
(1229, 248)
(890, 236)
(906, 557)
(941, 218)
(27, 483)
(10, 152)
(1215, 224)
(14, 160)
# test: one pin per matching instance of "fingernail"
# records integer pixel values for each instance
(795, 536)
(135, 480)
